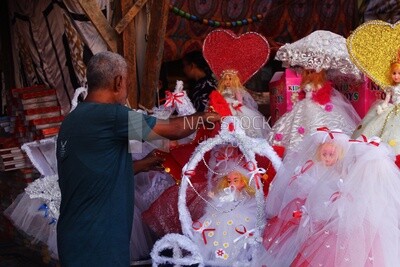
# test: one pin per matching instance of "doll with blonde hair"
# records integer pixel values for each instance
(383, 118)
(240, 103)
(237, 180)
(329, 153)
(230, 213)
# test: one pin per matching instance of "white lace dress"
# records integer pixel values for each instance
(385, 125)
(221, 232)
(307, 115)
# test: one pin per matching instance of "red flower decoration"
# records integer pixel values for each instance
(297, 214)
(323, 95)
(329, 107)
(278, 137)
(301, 130)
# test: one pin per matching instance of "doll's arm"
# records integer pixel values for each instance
(239, 97)
(383, 106)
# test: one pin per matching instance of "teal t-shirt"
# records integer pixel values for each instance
(96, 182)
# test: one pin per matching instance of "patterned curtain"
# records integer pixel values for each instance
(284, 20)
(52, 40)
(387, 10)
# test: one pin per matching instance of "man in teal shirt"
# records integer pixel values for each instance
(95, 167)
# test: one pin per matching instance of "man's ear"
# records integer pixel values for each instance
(117, 83)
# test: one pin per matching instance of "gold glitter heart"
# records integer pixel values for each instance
(372, 47)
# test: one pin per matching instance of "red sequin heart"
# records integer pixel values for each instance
(246, 53)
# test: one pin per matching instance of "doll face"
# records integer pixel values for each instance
(396, 75)
(228, 80)
(329, 154)
(235, 179)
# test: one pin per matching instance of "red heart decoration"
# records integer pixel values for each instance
(246, 53)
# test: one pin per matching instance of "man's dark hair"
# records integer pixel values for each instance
(196, 57)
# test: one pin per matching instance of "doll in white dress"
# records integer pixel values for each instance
(319, 157)
(229, 219)
(353, 220)
(241, 104)
(383, 118)
(319, 106)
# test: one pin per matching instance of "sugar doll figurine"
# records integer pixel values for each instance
(234, 59)
(383, 118)
(229, 218)
(238, 102)
(354, 221)
(319, 105)
(319, 157)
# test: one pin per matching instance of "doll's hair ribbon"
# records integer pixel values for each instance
(329, 131)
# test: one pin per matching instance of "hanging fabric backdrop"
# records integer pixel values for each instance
(52, 41)
(283, 21)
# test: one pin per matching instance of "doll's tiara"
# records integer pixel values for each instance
(231, 72)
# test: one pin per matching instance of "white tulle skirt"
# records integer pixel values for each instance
(355, 221)
(300, 173)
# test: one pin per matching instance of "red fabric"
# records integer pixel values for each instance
(178, 156)
(219, 104)
(281, 228)
(264, 162)
(163, 216)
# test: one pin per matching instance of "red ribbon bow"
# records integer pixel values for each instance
(255, 172)
(327, 130)
(241, 229)
(172, 98)
(198, 226)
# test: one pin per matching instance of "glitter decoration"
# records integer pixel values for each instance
(246, 53)
(321, 50)
(372, 47)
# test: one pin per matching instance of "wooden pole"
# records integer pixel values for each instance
(93, 11)
(154, 51)
(129, 53)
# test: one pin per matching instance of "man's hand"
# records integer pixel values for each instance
(151, 162)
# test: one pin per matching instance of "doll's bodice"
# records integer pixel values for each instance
(308, 89)
(228, 94)
(396, 94)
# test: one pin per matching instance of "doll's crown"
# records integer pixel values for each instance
(229, 71)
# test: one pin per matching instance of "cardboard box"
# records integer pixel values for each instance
(362, 95)
(282, 86)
